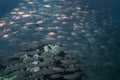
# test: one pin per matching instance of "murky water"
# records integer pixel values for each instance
(71, 24)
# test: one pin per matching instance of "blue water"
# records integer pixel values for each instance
(7, 5)
(108, 8)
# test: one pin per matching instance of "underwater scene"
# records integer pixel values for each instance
(59, 40)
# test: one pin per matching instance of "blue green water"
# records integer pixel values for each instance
(105, 59)
(7, 5)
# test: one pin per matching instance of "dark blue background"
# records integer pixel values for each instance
(108, 7)
(7, 5)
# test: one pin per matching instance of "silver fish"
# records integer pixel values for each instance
(35, 31)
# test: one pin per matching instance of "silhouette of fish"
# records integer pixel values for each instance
(34, 32)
